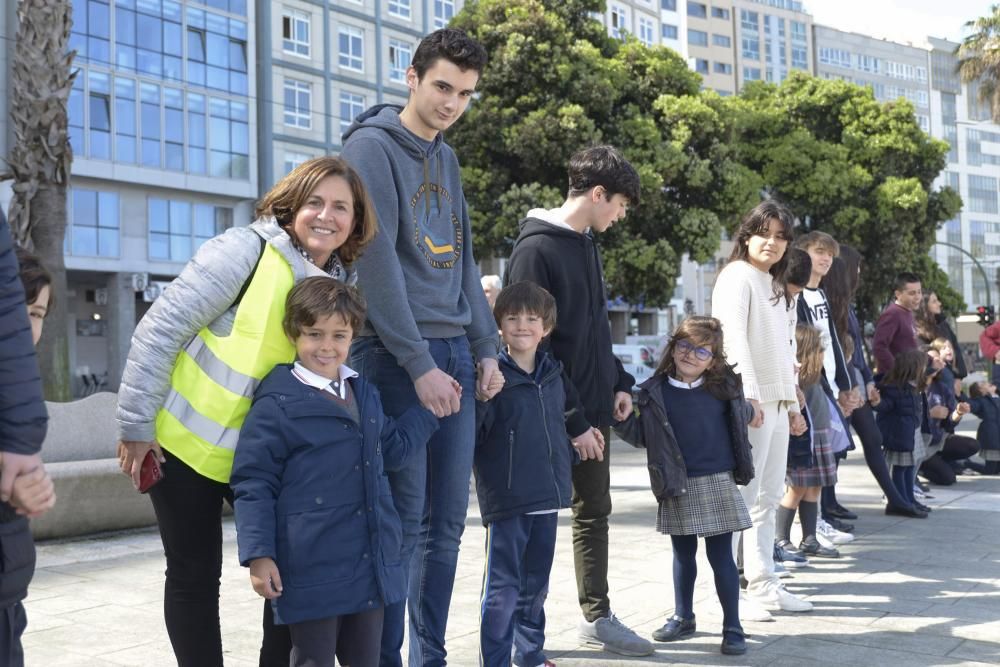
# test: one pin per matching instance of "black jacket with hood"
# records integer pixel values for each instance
(568, 265)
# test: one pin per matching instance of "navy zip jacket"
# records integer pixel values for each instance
(649, 427)
(312, 495)
(988, 410)
(23, 418)
(524, 457)
(899, 414)
(567, 264)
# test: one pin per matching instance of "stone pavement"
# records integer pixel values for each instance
(907, 592)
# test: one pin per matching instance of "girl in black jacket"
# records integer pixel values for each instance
(900, 415)
(692, 419)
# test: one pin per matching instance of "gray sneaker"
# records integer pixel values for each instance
(614, 636)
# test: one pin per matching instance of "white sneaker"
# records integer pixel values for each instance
(778, 599)
(751, 611)
(829, 536)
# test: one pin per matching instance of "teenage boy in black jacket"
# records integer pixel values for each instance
(556, 250)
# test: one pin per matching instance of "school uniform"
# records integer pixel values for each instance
(523, 470)
(987, 408)
(819, 469)
(311, 493)
(697, 451)
(899, 417)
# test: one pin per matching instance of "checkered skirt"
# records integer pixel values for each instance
(823, 472)
(712, 506)
(903, 459)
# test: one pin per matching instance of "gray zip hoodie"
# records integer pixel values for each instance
(418, 275)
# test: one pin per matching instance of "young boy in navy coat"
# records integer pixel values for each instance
(523, 475)
(314, 516)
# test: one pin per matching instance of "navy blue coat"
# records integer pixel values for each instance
(988, 410)
(899, 414)
(524, 457)
(23, 418)
(311, 493)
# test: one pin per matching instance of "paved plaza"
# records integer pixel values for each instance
(907, 592)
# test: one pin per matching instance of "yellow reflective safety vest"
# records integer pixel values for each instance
(214, 377)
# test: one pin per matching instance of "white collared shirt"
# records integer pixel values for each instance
(684, 385)
(336, 387)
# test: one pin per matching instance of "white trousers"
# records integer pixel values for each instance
(762, 496)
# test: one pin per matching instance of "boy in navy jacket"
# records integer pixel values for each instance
(523, 474)
(315, 519)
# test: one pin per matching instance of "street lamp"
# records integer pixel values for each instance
(982, 271)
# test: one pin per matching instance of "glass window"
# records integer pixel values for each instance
(93, 223)
(646, 31)
(293, 160)
(668, 31)
(444, 11)
(351, 106)
(178, 228)
(400, 8)
(751, 74)
(295, 32)
(697, 37)
(722, 40)
(720, 13)
(701, 65)
(399, 60)
(722, 68)
(697, 9)
(982, 194)
(76, 116)
(619, 21)
(298, 103)
(668, 5)
(351, 48)
(98, 19)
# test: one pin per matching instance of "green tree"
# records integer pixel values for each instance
(859, 170)
(556, 82)
(979, 59)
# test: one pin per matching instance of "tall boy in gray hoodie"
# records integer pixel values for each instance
(428, 320)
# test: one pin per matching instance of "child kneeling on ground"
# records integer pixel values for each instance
(523, 465)
(315, 519)
(692, 419)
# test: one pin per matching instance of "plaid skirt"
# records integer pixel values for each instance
(823, 472)
(712, 506)
(895, 458)
(990, 454)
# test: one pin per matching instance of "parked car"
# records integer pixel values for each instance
(639, 360)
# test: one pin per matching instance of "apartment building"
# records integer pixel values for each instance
(958, 117)
(772, 37)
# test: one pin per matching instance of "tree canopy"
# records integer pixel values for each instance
(556, 83)
(979, 58)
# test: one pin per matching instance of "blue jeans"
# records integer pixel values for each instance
(519, 552)
(431, 495)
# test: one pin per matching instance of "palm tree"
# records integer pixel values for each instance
(979, 59)
(39, 163)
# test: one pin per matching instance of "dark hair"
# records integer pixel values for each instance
(836, 285)
(290, 194)
(605, 166)
(526, 297)
(818, 238)
(318, 297)
(799, 268)
(975, 391)
(34, 276)
(720, 380)
(903, 279)
(757, 221)
(925, 321)
(852, 265)
(454, 46)
(908, 368)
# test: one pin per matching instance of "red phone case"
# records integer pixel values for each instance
(150, 473)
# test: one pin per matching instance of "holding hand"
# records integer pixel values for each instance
(758, 415)
(439, 392)
(264, 578)
(34, 493)
(873, 396)
(800, 397)
(489, 381)
(590, 445)
(15, 465)
(796, 423)
(961, 409)
(623, 406)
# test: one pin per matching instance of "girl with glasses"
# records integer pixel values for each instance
(692, 419)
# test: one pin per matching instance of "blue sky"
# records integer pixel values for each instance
(899, 20)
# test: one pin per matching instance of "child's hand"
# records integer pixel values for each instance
(757, 420)
(34, 493)
(800, 397)
(796, 423)
(264, 578)
(494, 387)
(963, 408)
(590, 447)
(598, 436)
(873, 395)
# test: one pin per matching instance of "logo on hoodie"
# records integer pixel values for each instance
(437, 231)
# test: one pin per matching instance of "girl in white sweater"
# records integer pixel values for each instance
(758, 321)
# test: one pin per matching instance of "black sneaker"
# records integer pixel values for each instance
(811, 547)
(841, 512)
(842, 526)
(676, 628)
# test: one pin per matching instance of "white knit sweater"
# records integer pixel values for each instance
(756, 333)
